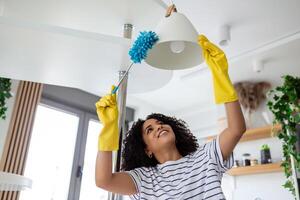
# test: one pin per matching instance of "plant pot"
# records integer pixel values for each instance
(265, 156)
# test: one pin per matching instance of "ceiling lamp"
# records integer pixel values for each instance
(224, 35)
(258, 66)
(177, 47)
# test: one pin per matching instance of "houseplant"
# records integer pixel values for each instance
(285, 105)
(265, 154)
(5, 87)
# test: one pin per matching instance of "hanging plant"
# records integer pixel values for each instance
(5, 87)
(285, 105)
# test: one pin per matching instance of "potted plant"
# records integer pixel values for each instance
(5, 87)
(265, 154)
(285, 105)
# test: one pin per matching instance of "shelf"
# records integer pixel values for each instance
(257, 169)
(256, 133)
(14, 182)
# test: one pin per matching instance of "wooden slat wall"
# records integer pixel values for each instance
(18, 138)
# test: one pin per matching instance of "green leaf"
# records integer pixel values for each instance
(270, 104)
(280, 135)
(297, 118)
(5, 87)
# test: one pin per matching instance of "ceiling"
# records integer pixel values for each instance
(75, 43)
(267, 31)
(79, 44)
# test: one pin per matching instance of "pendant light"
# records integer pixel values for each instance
(177, 47)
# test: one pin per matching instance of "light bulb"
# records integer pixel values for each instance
(177, 46)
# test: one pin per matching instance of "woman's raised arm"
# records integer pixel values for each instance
(119, 182)
(108, 141)
(224, 94)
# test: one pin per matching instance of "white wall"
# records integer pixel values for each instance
(4, 124)
(142, 109)
(263, 186)
(201, 121)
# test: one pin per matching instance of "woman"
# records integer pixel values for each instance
(162, 159)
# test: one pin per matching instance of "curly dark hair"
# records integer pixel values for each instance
(134, 154)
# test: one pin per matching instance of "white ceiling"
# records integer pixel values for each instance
(190, 91)
(75, 43)
(266, 30)
(70, 43)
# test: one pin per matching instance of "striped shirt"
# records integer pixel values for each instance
(195, 176)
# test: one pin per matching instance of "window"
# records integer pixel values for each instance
(63, 147)
(50, 156)
(88, 188)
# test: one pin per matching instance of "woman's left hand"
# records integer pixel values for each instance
(216, 60)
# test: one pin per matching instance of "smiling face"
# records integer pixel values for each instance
(157, 136)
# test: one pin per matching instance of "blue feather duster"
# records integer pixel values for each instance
(141, 45)
(138, 51)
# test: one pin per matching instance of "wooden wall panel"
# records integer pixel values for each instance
(18, 138)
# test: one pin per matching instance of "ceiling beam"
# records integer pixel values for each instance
(259, 49)
(65, 31)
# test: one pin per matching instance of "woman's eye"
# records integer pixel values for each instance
(149, 130)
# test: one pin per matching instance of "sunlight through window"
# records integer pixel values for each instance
(50, 156)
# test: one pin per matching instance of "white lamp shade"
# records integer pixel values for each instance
(169, 52)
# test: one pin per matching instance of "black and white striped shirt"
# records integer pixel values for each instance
(195, 176)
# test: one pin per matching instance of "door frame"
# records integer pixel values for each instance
(75, 191)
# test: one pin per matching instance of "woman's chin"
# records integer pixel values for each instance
(166, 140)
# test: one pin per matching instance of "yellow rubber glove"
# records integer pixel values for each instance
(217, 62)
(107, 111)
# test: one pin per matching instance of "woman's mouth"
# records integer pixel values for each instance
(162, 133)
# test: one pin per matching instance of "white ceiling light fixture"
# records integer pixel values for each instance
(177, 47)
(258, 66)
(224, 35)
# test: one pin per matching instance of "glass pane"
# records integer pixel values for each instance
(88, 188)
(50, 156)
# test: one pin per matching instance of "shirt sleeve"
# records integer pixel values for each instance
(213, 150)
(136, 177)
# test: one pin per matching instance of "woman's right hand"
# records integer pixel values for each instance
(107, 111)
(108, 141)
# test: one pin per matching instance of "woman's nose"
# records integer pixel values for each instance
(159, 127)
